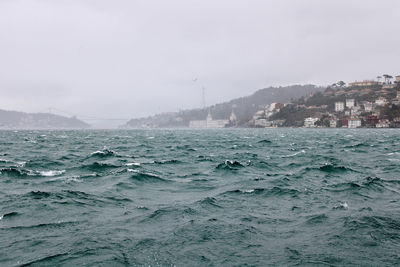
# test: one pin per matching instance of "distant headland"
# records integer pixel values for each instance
(370, 103)
(10, 120)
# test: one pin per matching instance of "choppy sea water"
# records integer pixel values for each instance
(251, 197)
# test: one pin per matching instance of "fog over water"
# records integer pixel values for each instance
(124, 59)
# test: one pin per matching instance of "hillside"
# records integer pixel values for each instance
(379, 101)
(244, 108)
(21, 120)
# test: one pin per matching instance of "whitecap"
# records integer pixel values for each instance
(98, 152)
(343, 205)
(51, 173)
(294, 154)
(249, 191)
(132, 164)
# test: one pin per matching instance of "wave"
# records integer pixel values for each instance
(42, 261)
(209, 201)
(357, 145)
(8, 215)
(230, 165)
(343, 206)
(43, 225)
(334, 169)
(39, 194)
(369, 183)
(147, 178)
(275, 191)
(170, 161)
(382, 225)
(264, 141)
(14, 172)
(316, 219)
(105, 152)
(99, 166)
(51, 173)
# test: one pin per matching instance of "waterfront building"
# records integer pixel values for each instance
(355, 110)
(339, 106)
(354, 123)
(262, 123)
(381, 101)
(310, 122)
(398, 78)
(371, 120)
(350, 103)
(208, 123)
(388, 86)
(333, 123)
(365, 83)
(383, 124)
(233, 118)
(368, 106)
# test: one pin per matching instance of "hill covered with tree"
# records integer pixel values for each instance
(244, 108)
(21, 120)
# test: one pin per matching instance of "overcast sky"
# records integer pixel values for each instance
(126, 59)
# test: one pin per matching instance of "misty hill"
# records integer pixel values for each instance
(21, 120)
(244, 108)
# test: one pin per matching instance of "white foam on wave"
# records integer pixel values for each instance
(98, 152)
(51, 173)
(249, 191)
(132, 164)
(343, 205)
(294, 154)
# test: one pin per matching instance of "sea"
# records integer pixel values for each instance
(223, 197)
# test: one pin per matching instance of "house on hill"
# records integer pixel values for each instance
(365, 83)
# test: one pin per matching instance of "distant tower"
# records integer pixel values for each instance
(209, 117)
(233, 117)
(203, 94)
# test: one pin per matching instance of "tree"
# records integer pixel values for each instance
(341, 83)
(387, 78)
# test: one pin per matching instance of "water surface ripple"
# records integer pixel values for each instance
(252, 197)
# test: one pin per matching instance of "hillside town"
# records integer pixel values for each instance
(359, 104)
(369, 103)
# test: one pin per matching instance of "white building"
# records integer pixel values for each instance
(368, 107)
(262, 123)
(354, 123)
(383, 124)
(333, 123)
(355, 110)
(208, 123)
(350, 103)
(380, 101)
(233, 117)
(310, 122)
(339, 106)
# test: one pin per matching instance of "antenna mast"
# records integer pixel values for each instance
(203, 91)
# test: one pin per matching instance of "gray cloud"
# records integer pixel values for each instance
(135, 58)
